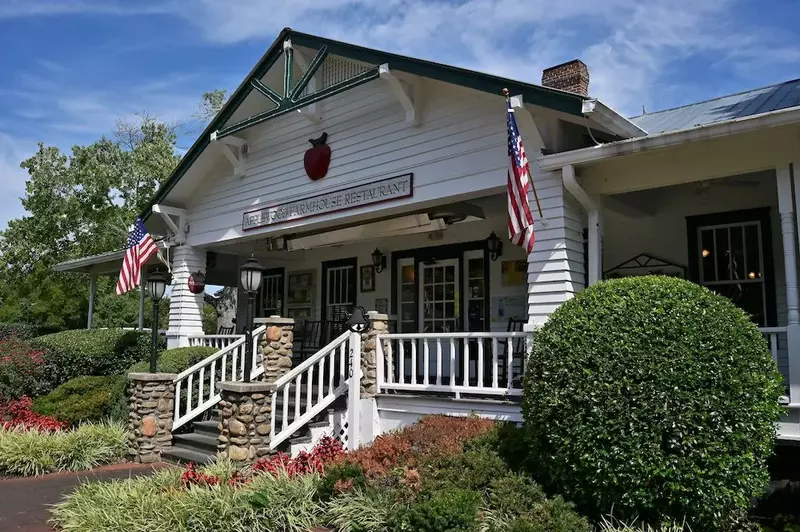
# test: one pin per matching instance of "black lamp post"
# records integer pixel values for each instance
(156, 286)
(251, 273)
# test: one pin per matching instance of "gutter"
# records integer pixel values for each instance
(592, 207)
(667, 139)
(604, 115)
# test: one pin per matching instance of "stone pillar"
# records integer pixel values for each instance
(186, 308)
(276, 346)
(369, 358)
(246, 413)
(151, 413)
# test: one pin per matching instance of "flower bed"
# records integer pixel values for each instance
(441, 474)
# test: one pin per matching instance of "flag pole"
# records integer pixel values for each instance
(533, 185)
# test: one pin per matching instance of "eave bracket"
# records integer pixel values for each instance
(403, 94)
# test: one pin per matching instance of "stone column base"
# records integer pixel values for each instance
(246, 412)
(152, 403)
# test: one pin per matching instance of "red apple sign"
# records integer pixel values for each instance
(317, 158)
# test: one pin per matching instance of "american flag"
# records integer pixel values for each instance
(138, 250)
(520, 219)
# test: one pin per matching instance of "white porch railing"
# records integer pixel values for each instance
(480, 363)
(217, 341)
(196, 387)
(310, 388)
(775, 336)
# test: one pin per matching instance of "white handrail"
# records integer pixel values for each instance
(475, 363)
(199, 382)
(321, 373)
(772, 336)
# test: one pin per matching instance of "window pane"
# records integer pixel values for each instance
(438, 292)
(408, 293)
(737, 252)
(449, 273)
(475, 267)
(723, 254)
(752, 244)
(437, 275)
(408, 274)
(707, 255)
(428, 276)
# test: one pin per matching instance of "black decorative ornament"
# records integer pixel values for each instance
(197, 282)
(358, 321)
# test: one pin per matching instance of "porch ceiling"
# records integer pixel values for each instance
(689, 162)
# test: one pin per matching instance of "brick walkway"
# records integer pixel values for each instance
(24, 502)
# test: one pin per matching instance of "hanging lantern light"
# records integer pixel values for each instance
(378, 260)
(494, 246)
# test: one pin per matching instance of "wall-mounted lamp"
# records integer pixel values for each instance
(494, 245)
(378, 260)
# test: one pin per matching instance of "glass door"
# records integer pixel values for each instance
(439, 310)
(270, 302)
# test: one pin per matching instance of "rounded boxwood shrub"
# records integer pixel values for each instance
(175, 360)
(71, 354)
(24, 331)
(653, 397)
(86, 399)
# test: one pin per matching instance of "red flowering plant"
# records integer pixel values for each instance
(17, 413)
(22, 369)
(327, 451)
(192, 477)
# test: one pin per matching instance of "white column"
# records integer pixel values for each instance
(595, 246)
(185, 308)
(92, 294)
(786, 210)
(786, 183)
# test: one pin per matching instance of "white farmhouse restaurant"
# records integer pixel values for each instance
(362, 178)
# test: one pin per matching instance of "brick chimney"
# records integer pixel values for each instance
(572, 76)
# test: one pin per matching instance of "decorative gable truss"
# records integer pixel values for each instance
(312, 87)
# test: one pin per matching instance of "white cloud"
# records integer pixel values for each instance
(12, 177)
(629, 45)
(37, 8)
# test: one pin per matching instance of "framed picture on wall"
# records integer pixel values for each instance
(368, 278)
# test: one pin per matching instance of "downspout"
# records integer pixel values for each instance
(592, 208)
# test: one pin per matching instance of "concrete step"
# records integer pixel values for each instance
(206, 427)
(180, 455)
(198, 441)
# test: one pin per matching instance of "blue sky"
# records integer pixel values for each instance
(71, 68)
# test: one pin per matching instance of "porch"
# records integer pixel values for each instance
(715, 204)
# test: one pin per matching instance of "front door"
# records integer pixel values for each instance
(439, 312)
(338, 289)
(731, 254)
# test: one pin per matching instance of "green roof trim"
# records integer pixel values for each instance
(533, 94)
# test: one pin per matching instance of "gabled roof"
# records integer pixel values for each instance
(533, 94)
(743, 104)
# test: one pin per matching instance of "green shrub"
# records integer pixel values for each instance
(85, 399)
(445, 510)
(70, 354)
(29, 453)
(474, 469)
(344, 474)
(508, 441)
(24, 331)
(22, 370)
(655, 397)
(516, 503)
(175, 360)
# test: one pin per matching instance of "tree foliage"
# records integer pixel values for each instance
(79, 204)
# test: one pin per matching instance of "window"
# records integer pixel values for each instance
(731, 254)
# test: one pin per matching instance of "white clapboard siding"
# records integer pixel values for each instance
(185, 308)
(458, 151)
(556, 268)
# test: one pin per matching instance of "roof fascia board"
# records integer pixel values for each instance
(585, 156)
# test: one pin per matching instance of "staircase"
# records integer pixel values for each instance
(309, 402)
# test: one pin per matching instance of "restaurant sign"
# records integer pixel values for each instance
(391, 189)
